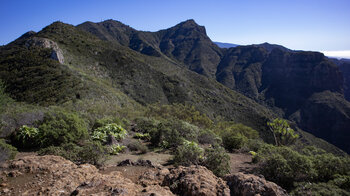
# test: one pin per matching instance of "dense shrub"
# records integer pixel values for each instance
(324, 189)
(142, 136)
(235, 136)
(27, 137)
(6, 151)
(233, 140)
(4, 98)
(328, 165)
(61, 127)
(207, 136)
(181, 112)
(217, 160)
(109, 120)
(188, 153)
(91, 152)
(138, 146)
(170, 133)
(115, 149)
(101, 133)
(285, 166)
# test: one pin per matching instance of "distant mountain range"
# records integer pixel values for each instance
(247, 84)
(225, 45)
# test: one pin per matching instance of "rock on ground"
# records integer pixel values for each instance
(54, 175)
(250, 185)
(195, 180)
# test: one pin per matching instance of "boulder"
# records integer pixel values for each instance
(195, 180)
(250, 185)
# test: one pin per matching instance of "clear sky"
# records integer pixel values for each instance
(321, 25)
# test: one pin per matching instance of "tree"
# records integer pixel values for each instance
(282, 133)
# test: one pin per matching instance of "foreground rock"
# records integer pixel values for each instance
(53, 175)
(195, 180)
(251, 185)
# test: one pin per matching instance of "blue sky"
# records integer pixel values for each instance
(321, 25)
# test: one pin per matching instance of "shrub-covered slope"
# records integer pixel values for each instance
(272, 75)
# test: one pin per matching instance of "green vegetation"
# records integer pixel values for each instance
(282, 132)
(90, 152)
(6, 151)
(290, 168)
(217, 160)
(116, 149)
(101, 133)
(142, 136)
(188, 153)
(106, 90)
(61, 127)
(27, 136)
(235, 136)
(138, 146)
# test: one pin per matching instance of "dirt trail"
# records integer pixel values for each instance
(241, 162)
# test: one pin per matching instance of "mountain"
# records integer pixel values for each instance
(225, 45)
(344, 67)
(275, 76)
(185, 43)
(109, 62)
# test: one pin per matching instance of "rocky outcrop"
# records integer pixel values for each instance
(250, 185)
(195, 180)
(53, 175)
(56, 53)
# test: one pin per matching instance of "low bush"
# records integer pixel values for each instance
(171, 133)
(142, 136)
(207, 136)
(116, 149)
(27, 137)
(217, 160)
(235, 136)
(138, 146)
(324, 189)
(91, 152)
(113, 129)
(6, 151)
(285, 166)
(188, 153)
(61, 127)
(180, 112)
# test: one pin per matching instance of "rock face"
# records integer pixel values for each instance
(56, 53)
(249, 185)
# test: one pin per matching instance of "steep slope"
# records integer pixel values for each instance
(149, 79)
(186, 43)
(344, 67)
(332, 109)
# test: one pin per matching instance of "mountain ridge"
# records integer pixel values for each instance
(270, 74)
